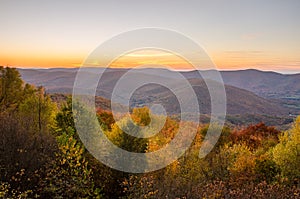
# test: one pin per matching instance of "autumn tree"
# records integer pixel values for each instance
(106, 119)
(287, 153)
(26, 113)
(69, 175)
(255, 136)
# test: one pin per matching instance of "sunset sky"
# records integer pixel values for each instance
(260, 34)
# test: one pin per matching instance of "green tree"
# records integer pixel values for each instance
(64, 118)
(11, 89)
(126, 141)
(266, 169)
(37, 111)
(26, 144)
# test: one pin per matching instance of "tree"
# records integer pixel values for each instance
(286, 154)
(37, 111)
(64, 118)
(126, 141)
(256, 136)
(11, 89)
(103, 176)
(106, 119)
(69, 175)
(141, 116)
(26, 144)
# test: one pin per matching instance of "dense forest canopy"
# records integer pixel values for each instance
(41, 155)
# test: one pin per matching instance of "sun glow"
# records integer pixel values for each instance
(155, 58)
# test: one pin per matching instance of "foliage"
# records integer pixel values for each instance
(242, 162)
(68, 175)
(7, 192)
(37, 111)
(266, 170)
(127, 142)
(11, 89)
(26, 143)
(262, 190)
(106, 119)
(124, 140)
(64, 118)
(287, 153)
(141, 116)
(41, 155)
(256, 136)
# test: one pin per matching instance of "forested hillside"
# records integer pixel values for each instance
(247, 97)
(41, 155)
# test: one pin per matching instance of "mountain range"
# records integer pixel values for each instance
(247, 91)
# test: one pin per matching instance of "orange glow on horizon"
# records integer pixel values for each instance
(39, 58)
(151, 58)
(237, 60)
(228, 60)
(41, 62)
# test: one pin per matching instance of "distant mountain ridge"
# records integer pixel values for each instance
(264, 83)
(248, 91)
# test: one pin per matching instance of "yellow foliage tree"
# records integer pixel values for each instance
(287, 153)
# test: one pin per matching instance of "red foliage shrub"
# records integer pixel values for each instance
(256, 135)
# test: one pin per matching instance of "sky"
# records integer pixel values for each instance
(236, 34)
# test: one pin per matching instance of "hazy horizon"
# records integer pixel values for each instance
(181, 70)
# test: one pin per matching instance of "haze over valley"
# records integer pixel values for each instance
(249, 92)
